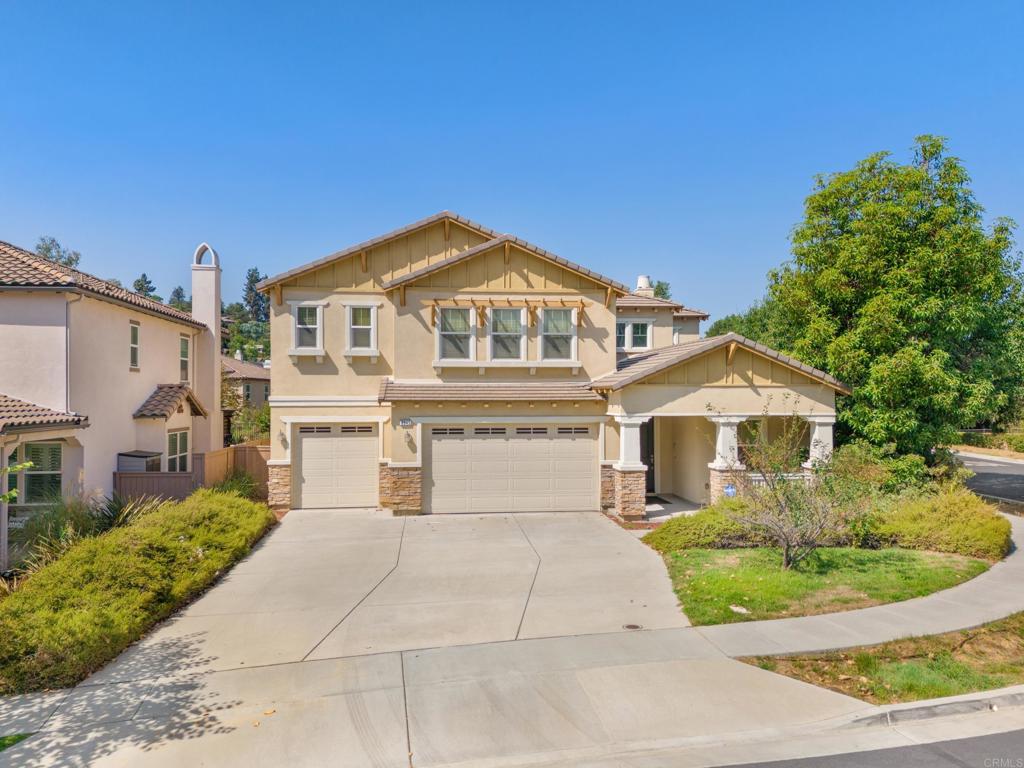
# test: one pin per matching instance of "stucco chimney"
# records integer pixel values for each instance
(206, 309)
(644, 287)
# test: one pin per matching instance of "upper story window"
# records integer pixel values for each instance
(183, 343)
(508, 339)
(362, 328)
(308, 328)
(558, 335)
(134, 331)
(266, 391)
(455, 334)
(633, 334)
(247, 392)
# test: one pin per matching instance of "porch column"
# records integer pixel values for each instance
(727, 454)
(5, 452)
(822, 429)
(630, 473)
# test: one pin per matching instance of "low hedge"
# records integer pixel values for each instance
(79, 612)
(710, 528)
(953, 520)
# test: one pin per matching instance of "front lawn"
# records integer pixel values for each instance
(78, 612)
(718, 586)
(991, 656)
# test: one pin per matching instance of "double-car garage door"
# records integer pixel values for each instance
(466, 468)
(511, 468)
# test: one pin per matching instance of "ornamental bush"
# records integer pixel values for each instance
(80, 611)
(713, 527)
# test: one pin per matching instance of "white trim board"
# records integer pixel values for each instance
(508, 419)
(321, 401)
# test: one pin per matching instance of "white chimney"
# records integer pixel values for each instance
(644, 287)
(238, 354)
(206, 309)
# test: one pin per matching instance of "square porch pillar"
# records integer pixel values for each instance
(630, 473)
(727, 454)
(822, 437)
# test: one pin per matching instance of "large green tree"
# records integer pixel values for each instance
(256, 303)
(898, 288)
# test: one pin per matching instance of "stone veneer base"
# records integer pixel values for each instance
(401, 489)
(607, 486)
(279, 489)
(630, 493)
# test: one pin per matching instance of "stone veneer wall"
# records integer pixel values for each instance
(401, 489)
(279, 488)
(607, 486)
(719, 478)
(630, 494)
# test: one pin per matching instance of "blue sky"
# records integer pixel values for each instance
(675, 139)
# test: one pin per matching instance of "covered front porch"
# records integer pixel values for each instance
(681, 418)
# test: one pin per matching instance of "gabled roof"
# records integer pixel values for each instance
(240, 369)
(23, 269)
(492, 244)
(635, 301)
(397, 391)
(18, 415)
(637, 368)
(165, 401)
(495, 238)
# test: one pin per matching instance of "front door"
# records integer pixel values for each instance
(647, 451)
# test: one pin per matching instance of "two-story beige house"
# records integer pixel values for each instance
(445, 367)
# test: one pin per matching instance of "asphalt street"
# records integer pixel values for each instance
(1003, 750)
(993, 477)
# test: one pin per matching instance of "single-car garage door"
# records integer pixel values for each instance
(338, 466)
(512, 468)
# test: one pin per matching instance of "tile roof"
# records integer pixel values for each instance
(165, 401)
(635, 301)
(16, 414)
(24, 269)
(417, 225)
(636, 368)
(240, 369)
(395, 391)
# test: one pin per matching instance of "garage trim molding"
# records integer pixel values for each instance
(289, 421)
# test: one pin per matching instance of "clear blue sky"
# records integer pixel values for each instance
(675, 139)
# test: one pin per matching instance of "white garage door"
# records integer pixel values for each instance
(512, 468)
(338, 466)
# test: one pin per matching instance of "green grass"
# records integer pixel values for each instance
(918, 668)
(11, 740)
(708, 582)
(80, 611)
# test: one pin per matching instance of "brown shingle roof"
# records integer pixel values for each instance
(24, 269)
(240, 369)
(687, 312)
(18, 414)
(395, 391)
(416, 225)
(165, 401)
(633, 369)
(634, 301)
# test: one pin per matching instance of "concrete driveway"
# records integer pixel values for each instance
(364, 640)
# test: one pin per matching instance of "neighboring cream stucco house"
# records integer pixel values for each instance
(93, 376)
(445, 367)
(251, 381)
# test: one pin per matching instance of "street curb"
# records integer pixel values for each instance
(927, 711)
(988, 457)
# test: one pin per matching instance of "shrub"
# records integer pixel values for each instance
(713, 527)
(953, 520)
(241, 483)
(79, 612)
(1015, 442)
(978, 439)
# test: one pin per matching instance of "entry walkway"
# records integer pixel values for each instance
(993, 595)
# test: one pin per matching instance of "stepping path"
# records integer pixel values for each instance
(990, 596)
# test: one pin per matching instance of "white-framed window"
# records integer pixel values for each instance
(558, 334)
(633, 334)
(134, 335)
(183, 344)
(177, 451)
(40, 483)
(308, 328)
(362, 328)
(247, 392)
(507, 333)
(455, 334)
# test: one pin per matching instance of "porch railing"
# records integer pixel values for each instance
(757, 480)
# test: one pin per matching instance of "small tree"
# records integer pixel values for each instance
(179, 301)
(230, 399)
(662, 290)
(49, 248)
(256, 303)
(795, 510)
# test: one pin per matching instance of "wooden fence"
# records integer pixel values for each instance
(207, 469)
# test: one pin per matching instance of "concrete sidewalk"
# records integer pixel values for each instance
(993, 595)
